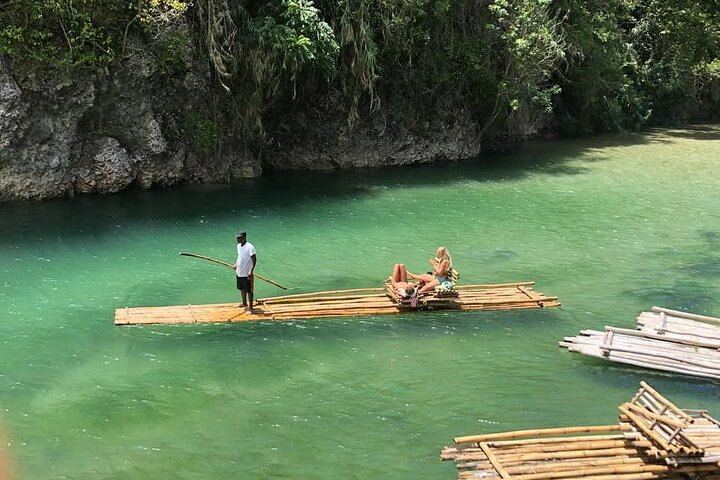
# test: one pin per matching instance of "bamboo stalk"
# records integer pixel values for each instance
(590, 444)
(646, 351)
(664, 338)
(582, 438)
(537, 432)
(575, 454)
(657, 366)
(324, 293)
(674, 322)
(676, 358)
(574, 465)
(647, 360)
(640, 340)
(382, 300)
(496, 464)
(691, 316)
(287, 301)
(640, 425)
(230, 265)
(603, 470)
(667, 402)
(688, 330)
(627, 476)
(661, 418)
(494, 285)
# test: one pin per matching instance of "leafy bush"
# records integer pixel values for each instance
(81, 33)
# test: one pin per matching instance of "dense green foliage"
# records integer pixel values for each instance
(80, 33)
(575, 66)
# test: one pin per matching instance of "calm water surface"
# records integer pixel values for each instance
(611, 225)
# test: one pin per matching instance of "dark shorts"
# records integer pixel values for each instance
(244, 284)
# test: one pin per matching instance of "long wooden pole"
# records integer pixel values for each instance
(220, 262)
(489, 437)
(691, 316)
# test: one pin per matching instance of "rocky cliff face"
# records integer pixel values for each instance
(102, 133)
(124, 127)
(323, 143)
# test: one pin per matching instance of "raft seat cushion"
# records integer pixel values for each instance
(445, 289)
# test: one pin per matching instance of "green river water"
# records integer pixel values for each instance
(612, 225)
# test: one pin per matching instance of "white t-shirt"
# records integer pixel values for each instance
(244, 261)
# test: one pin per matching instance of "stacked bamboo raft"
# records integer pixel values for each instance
(653, 440)
(341, 303)
(666, 340)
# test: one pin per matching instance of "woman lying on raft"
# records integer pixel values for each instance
(441, 264)
(401, 286)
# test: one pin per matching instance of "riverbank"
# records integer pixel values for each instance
(123, 128)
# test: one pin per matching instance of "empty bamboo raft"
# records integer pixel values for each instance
(666, 340)
(341, 303)
(654, 439)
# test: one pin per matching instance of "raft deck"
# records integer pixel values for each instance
(341, 303)
(653, 440)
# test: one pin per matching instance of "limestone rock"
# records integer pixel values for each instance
(12, 106)
(107, 168)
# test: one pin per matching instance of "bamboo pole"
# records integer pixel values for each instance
(691, 316)
(642, 426)
(603, 470)
(573, 465)
(644, 359)
(494, 285)
(574, 454)
(659, 343)
(689, 329)
(664, 337)
(324, 293)
(537, 432)
(370, 299)
(652, 415)
(657, 366)
(673, 322)
(667, 402)
(682, 442)
(653, 354)
(493, 460)
(627, 476)
(230, 265)
(581, 438)
(590, 444)
(273, 301)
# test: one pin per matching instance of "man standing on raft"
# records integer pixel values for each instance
(244, 267)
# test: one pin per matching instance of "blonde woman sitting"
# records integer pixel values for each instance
(441, 264)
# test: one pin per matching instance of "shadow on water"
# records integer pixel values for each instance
(694, 132)
(708, 267)
(629, 376)
(688, 291)
(284, 191)
(90, 215)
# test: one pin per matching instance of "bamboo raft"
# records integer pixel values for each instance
(654, 439)
(666, 340)
(342, 303)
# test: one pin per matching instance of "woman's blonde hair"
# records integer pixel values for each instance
(444, 253)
